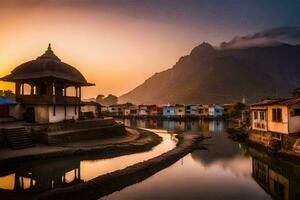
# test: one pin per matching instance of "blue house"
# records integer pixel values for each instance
(5, 105)
(168, 111)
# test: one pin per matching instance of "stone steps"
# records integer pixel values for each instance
(18, 138)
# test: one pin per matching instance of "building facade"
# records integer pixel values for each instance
(276, 120)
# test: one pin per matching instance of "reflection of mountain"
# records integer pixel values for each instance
(219, 148)
(281, 180)
(42, 176)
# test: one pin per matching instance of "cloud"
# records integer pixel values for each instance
(269, 37)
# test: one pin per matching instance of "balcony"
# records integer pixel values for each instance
(46, 99)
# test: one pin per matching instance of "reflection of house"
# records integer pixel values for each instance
(277, 119)
(280, 180)
(43, 89)
(215, 126)
(42, 177)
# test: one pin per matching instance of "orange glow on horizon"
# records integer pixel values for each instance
(115, 51)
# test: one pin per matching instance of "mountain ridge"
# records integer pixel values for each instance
(218, 75)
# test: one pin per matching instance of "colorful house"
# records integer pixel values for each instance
(179, 110)
(215, 111)
(168, 111)
(147, 110)
(131, 111)
(276, 119)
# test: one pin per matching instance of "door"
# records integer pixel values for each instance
(30, 115)
(4, 111)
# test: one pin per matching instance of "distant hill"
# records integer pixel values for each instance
(213, 75)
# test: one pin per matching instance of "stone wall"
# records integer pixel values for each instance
(260, 137)
(93, 132)
(288, 142)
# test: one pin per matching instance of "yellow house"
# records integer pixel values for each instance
(272, 119)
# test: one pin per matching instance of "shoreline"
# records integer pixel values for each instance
(145, 141)
(117, 180)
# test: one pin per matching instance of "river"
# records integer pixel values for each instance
(225, 170)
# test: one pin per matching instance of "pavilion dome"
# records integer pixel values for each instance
(47, 65)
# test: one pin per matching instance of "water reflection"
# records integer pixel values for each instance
(176, 126)
(280, 179)
(226, 170)
(39, 176)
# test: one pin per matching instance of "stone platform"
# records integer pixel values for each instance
(77, 131)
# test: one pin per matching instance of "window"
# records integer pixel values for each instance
(255, 115)
(276, 115)
(296, 112)
(262, 115)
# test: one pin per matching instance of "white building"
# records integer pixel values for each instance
(179, 110)
(47, 89)
(215, 111)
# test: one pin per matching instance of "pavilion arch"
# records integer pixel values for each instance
(27, 89)
(71, 91)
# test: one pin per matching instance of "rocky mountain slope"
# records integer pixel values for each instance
(221, 75)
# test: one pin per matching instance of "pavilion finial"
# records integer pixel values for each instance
(49, 46)
(49, 54)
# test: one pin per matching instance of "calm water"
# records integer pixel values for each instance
(39, 176)
(226, 170)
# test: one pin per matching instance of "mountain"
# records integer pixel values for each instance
(222, 75)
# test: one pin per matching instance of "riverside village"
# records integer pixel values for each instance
(52, 138)
(149, 100)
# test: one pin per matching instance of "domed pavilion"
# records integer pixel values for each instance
(47, 80)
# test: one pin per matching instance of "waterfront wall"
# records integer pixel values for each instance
(77, 130)
(260, 137)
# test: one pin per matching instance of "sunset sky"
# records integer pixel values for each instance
(117, 44)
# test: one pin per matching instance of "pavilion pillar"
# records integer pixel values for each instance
(79, 106)
(31, 89)
(65, 91)
(17, 88)
(22, 88)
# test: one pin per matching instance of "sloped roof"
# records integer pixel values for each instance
(285, 102)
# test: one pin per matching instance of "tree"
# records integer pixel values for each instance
(107, 101)
(99, 98)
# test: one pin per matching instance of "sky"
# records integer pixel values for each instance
(117, 44)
